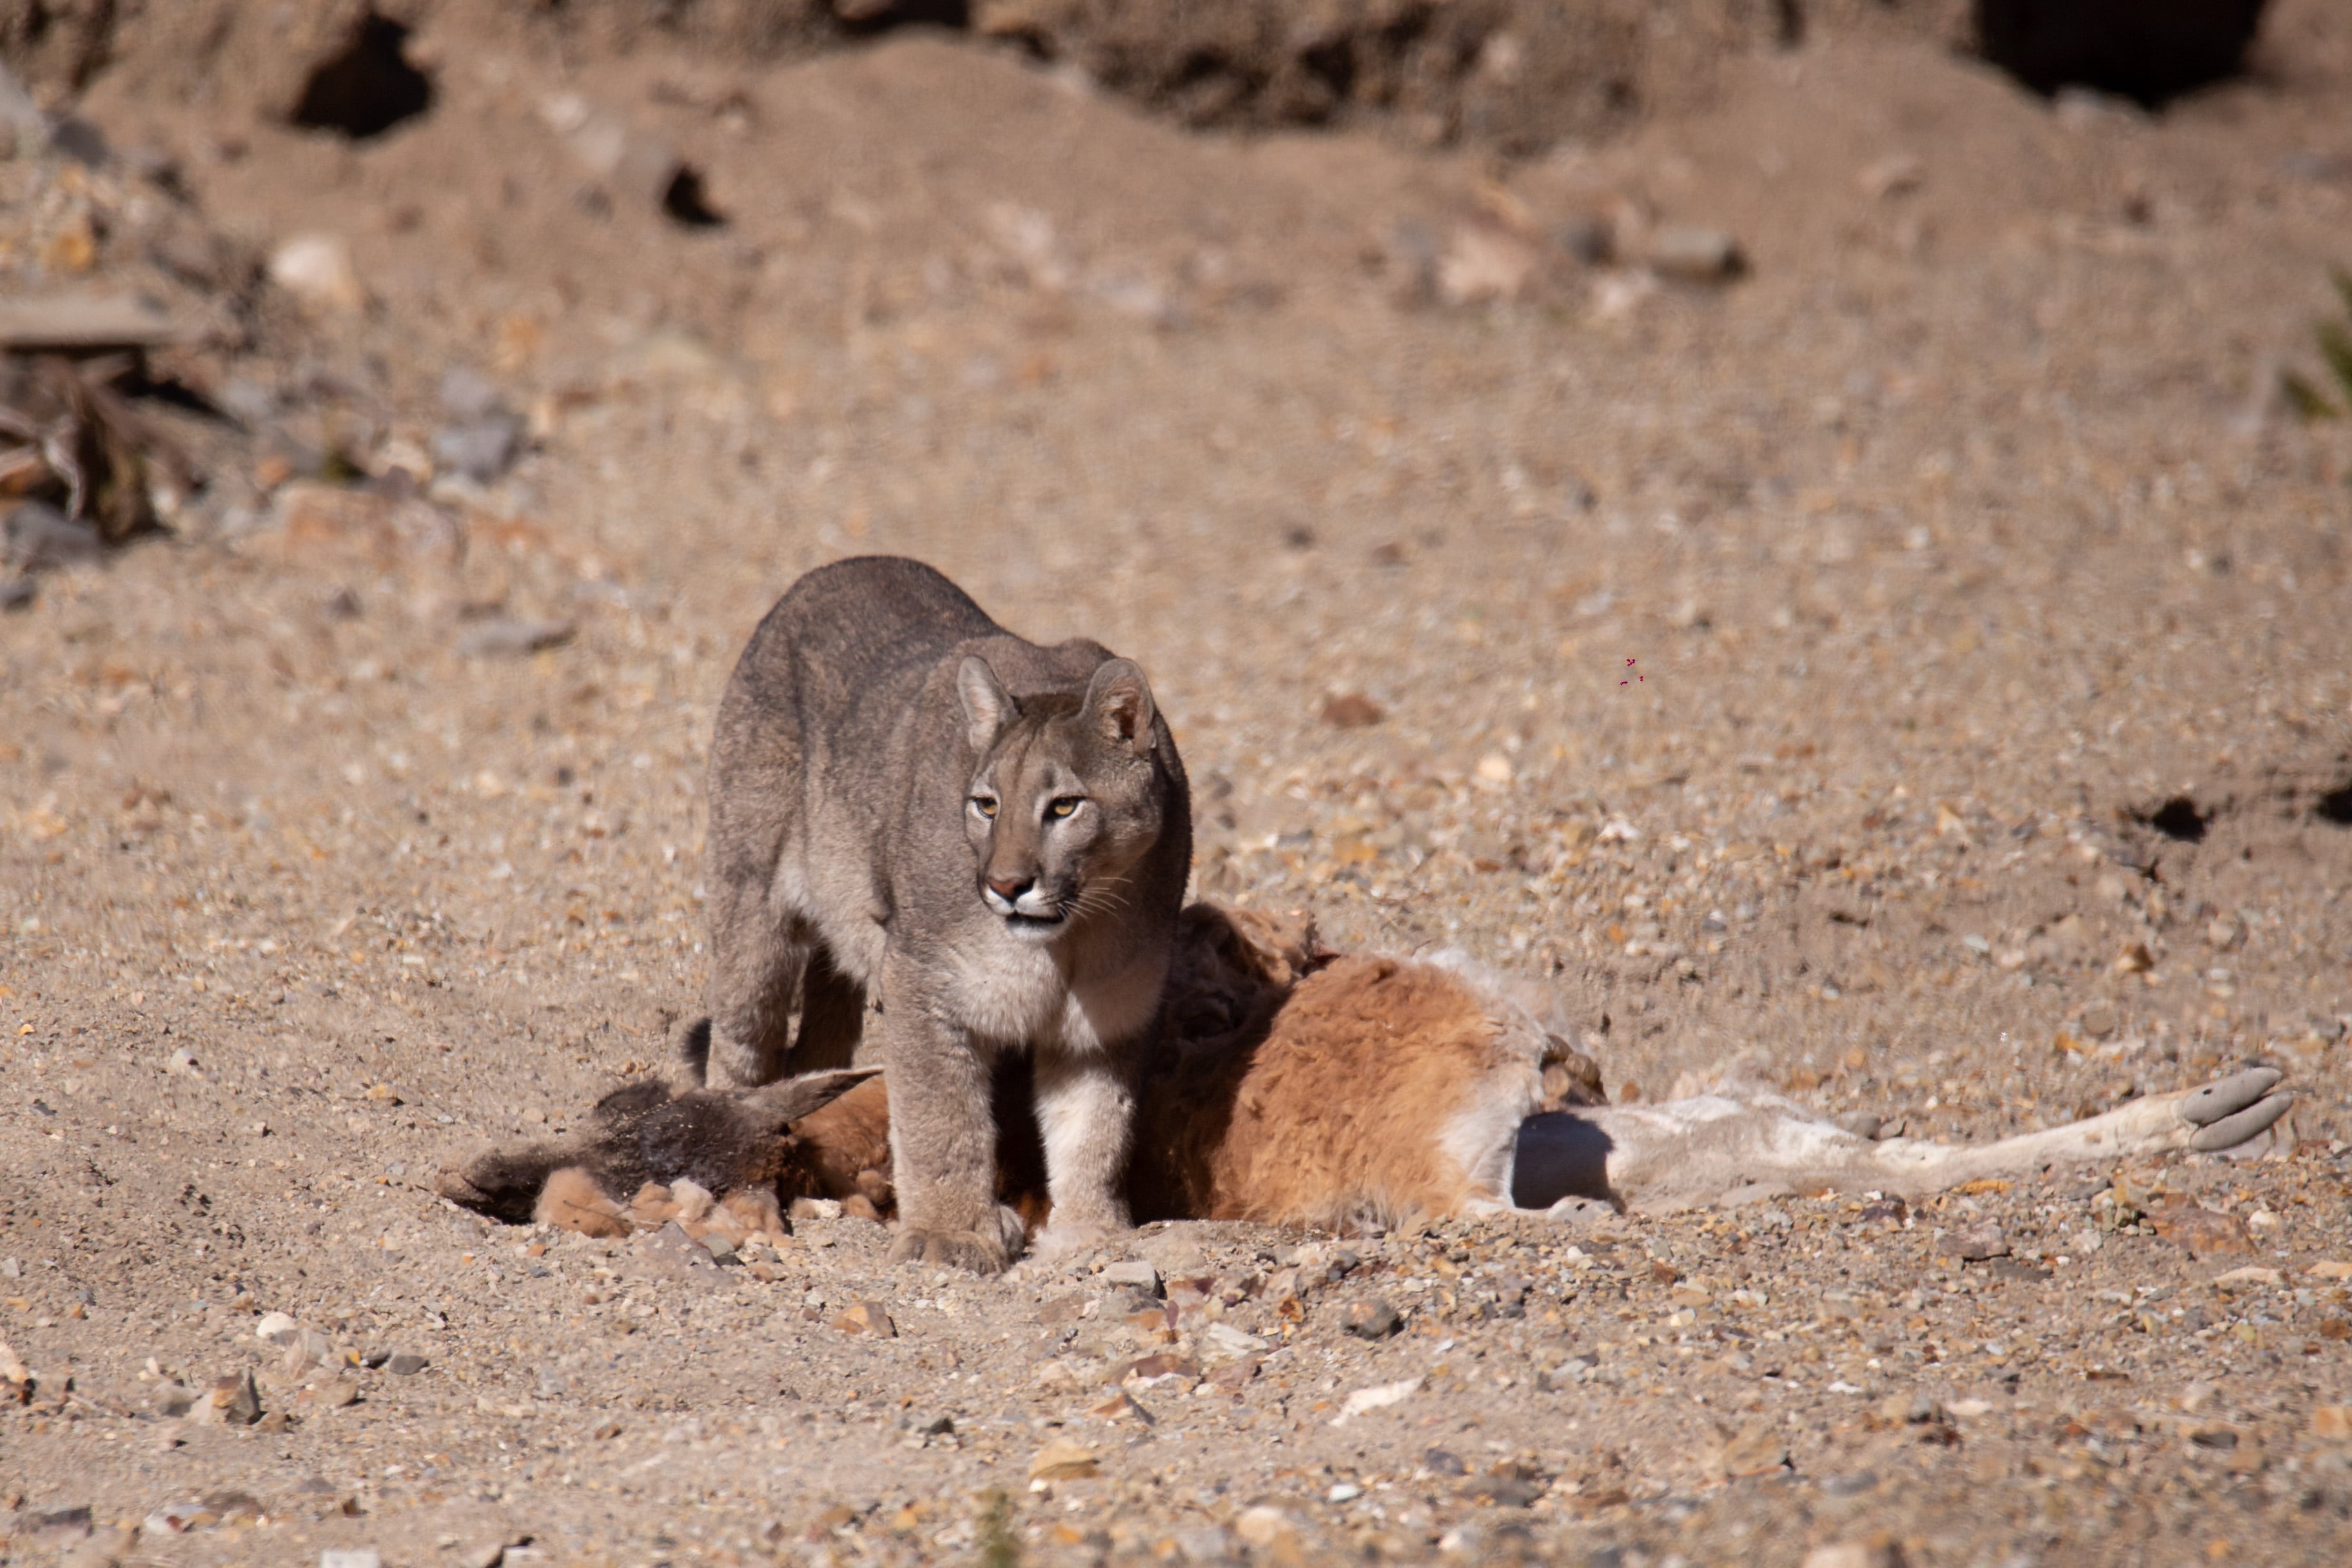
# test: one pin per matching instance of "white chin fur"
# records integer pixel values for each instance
(1031, 929)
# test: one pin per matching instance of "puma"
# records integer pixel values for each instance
(987, 838)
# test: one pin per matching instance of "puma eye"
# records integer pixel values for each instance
(983, 804)
(1065, 806)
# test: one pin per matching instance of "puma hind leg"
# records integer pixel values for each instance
(757, 960)
(833, 1017)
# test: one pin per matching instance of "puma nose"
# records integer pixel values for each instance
(1010, 889)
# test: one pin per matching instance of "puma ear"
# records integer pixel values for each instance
(1119, 704)
(987, 706)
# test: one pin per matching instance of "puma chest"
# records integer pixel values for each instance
(1019, 994)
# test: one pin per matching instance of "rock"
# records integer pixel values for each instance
(177, 1518)
(57, 1526)
(2202, 1232)
(1223, 1341)
(1261, 1527)
(1754, 1192)
(1120, 1406)
(235, 1401)
(866, 1318)
(312, 519)
(1758, 1449)
(1484, 262)
(1345, 1491)
(1352, 711)
(1236, 1375)
(405, 1363)
(1133, 1274)
(37, 537)
(350, 1557)
(276, 1329)
(1169, 1368)
(504, 637)
(670, 1250)
(481, 450)
(1063, 1460)
(468, 393)
(1872, 1553)
(316, 270)
(2332, 1268)
(1917, 1409)
(1370, 1318)
(334, 1394)
(1582, 1213)
(2251, 1278)
(484, 435)
(1694, 255)
(1505, 1486)
(1379, 1397)
(2332, 1423)
(1205, 1543)
(103, 1549)
(1977, 1243)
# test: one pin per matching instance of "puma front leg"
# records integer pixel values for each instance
(943, 1143)
(1085, 1108)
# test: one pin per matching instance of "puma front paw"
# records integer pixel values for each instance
(980, 1252)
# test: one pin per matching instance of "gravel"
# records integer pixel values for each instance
(1939, 556)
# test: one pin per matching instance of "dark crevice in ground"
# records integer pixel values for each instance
(369, 88)
(2180, 818)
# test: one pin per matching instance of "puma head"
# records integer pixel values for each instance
(1067, 794)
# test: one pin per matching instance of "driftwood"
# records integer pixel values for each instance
(68, 439)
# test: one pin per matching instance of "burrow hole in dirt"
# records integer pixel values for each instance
(368, 88)
(2150, 51)
(2335, 806)
(2180, 818)
(870, 17)
(688, 203)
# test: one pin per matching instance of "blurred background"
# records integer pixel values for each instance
(1818, 524)
(1817, 529)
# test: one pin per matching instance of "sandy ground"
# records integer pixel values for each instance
(1796, 672)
